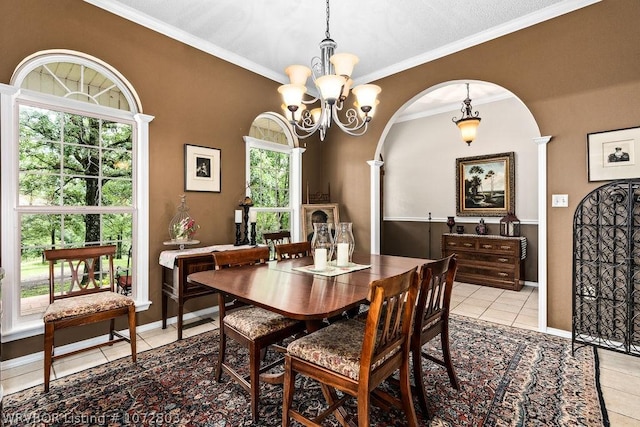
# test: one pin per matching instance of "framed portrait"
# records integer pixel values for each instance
(318, 213)
(485, 185)
(201, 168)
(612, 154)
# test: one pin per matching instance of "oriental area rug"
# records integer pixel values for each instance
(508, 377)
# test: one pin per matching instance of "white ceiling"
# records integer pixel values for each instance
(388, 37)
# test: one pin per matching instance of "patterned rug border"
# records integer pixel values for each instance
(151, 361)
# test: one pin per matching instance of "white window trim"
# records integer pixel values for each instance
(295, 183)
(12, 327)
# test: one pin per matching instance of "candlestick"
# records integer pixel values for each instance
(237, 243)
(253, 216)
(238, 216)
(253, 234)
(245, 240)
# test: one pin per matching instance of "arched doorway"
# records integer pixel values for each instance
(417, 153)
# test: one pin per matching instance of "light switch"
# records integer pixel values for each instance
(560, 201)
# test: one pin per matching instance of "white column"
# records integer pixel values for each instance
(295, 190)
(375, 166)
(542, 231)
(141, 256)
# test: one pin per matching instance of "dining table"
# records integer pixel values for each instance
(293, 288)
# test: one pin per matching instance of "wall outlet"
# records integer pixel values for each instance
(560, 201)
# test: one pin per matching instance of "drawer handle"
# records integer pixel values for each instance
(503, 259)
(468, 244)
(487, 246)
(505, 247)
(452, 244)
(503, 274)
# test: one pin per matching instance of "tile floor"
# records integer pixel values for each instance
(619, 374)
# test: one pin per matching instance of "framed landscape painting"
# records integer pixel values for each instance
(485, 185)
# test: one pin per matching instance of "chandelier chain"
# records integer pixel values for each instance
(326, 33)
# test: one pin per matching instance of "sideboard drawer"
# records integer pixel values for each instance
(487, 260)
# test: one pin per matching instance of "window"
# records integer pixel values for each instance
(73, 142)
(274, 174)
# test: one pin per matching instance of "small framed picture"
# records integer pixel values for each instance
(318, 213)
(201, 168)
(612, 154)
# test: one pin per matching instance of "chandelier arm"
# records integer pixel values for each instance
(353, 123)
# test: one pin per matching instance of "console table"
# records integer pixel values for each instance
(495, 261)
(176, 266)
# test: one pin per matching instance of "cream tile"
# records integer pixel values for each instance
(486, 293)
(71, 365)
(22, 382)
(627, 383)
(119, 350)
(515, 324)
(624, 363)
(161, 339)
(468, 310)
(621, 403)
(500, 305)
(526, 311)
(482, 303)
(196, 330)
(171, 329)
(21, 370)
(618, 420)
(513, 296)
(524, 319)
(464, 289)
(498, 316)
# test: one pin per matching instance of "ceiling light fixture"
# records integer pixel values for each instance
(331, 74)
(469, 121)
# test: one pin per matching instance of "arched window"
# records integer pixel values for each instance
(274, 174)
(74, 156)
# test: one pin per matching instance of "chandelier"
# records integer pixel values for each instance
(331, 75)
(469, 121)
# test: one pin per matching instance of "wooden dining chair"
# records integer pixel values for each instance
(82, 291)
(273, 238)
(124, 279)
(355, 357)
(293, 250)
(252, 327)
(432, 320)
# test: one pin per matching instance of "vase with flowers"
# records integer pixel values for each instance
(182, 226)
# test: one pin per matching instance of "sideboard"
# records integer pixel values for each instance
(489, 260)
(176, 266)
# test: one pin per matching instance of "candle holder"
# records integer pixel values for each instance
(245, 204)
(238, 235)
(253, 234)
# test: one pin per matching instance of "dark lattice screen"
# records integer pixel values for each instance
(606, 268)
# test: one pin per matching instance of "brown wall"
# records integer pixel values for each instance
(195, 97)
(578, 73)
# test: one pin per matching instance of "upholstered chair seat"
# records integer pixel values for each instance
(256, 322)
(85, 304)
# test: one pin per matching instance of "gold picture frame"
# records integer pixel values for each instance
(329, 209)
(485, 185)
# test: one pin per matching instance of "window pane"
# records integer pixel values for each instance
(39, 189)
(81, 130)
(81, 192)
(117, 193)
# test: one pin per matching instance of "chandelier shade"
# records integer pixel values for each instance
(331, 74)
(469, 122)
